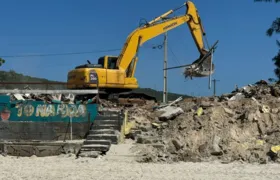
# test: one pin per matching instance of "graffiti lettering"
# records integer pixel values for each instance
(28, 110)
(47, 110)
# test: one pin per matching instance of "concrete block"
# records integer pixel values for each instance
(170, 113)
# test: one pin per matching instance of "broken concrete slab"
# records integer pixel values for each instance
(216, 150)
(170, 113)
(238, 96)
(229, 111)
(19, 97)
(142, 139)
(178, 144)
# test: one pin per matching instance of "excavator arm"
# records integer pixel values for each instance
(128, 57)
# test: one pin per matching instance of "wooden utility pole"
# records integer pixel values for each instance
(165, 98)
(214, 82)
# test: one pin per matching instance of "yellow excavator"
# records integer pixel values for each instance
(115, 74)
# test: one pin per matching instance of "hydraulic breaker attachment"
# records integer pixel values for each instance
(201, 67)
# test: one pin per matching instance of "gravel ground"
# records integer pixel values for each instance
(120, 164)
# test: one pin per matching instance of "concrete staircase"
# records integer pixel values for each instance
(104, 131)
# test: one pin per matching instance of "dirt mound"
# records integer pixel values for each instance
(243, 125)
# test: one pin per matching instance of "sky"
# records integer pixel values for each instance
(243, 55)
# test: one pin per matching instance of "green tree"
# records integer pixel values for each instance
(274, 29)
(2, 61)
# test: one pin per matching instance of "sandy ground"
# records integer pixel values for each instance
(120, 164)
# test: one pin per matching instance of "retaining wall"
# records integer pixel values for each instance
(36, 120)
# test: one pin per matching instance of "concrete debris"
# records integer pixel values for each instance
(19, 97)
(57, 97)
(274, 110)
(238, 96)
(229, 111)
(240, 126)
(69, 97)
(178, 145)
(50, 98)
(265, 109)
(170, 113)
(170, 104)
(216, 150)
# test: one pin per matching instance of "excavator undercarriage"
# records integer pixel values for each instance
(126, 98)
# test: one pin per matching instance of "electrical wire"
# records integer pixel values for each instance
(141, 22)
(60, 54)
(73, 53)
(160, 46)
(176, 59)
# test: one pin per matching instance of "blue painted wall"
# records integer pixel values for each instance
(38, 111)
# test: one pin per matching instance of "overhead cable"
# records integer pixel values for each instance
(60, 54)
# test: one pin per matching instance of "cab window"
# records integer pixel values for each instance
(112, 63)
(101, 61)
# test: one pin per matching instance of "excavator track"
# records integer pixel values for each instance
(122, 98)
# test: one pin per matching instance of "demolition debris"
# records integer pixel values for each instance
(240, 126)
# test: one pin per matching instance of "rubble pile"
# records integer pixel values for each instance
(241, 126)
(48, 98)
(52, 98)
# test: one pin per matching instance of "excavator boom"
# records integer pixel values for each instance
(128, 57)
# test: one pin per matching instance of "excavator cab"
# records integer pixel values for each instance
(105, 68)
(106, 62)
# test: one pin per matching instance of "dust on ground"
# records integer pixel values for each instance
(120, 164)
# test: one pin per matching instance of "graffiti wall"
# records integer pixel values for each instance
(40, 111)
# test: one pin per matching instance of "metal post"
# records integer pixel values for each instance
(97, 84)
(214, 82)
(71, 130)
(89, 121)
(165, 100)
(209, 86)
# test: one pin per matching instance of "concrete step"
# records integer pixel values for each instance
(106, 122)
(91, 154)
(107, 119)
(111, 137)
(109, 113)
(95, 147)
(103, 142)
(105, 126)
(102, 131)
(104, 117)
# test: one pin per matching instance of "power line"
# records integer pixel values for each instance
(60, 54)
(49, 44)
(176, 59)
(87, 52)
(63, 54)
